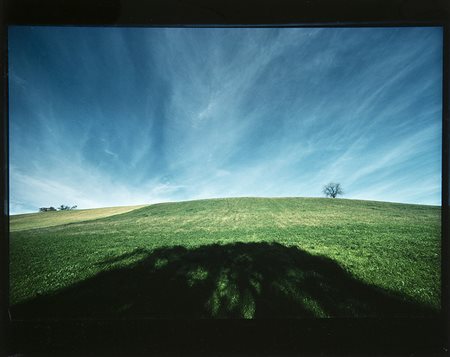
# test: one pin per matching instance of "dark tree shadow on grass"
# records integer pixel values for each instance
(242, 280)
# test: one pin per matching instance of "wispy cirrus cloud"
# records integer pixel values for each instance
(115, 116)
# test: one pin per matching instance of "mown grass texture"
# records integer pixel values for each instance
(233, 257)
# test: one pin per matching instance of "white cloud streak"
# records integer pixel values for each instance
(238, 113)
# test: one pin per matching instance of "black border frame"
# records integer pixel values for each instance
(428, 336)
(445, 222)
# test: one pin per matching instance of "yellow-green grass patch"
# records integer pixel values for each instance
(26, 221)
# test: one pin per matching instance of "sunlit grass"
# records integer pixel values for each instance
(26, 221)
(392, 246)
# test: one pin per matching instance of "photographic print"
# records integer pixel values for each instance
(224, 173)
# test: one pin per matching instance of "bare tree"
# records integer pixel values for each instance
(332, 190)
(66, 208)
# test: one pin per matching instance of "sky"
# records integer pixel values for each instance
(103, 117)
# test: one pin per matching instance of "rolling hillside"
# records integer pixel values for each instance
(236, 257)
(26, 221)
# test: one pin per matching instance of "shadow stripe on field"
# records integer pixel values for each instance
(240, 280)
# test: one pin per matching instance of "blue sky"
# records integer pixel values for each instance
(121, 116)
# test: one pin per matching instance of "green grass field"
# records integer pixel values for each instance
(22, 222)
(220, 258)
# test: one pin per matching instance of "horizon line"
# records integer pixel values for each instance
(236, 197)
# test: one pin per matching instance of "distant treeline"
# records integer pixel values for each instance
(60, 208)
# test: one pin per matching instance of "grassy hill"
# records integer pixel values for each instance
(26, 221)
(234, 257)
